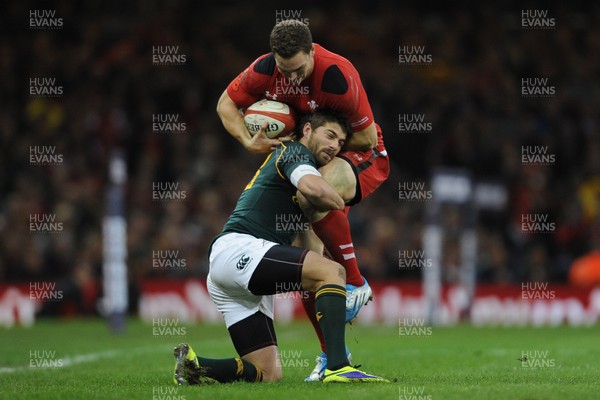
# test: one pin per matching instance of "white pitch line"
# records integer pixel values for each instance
(91, 357)
(85, 358)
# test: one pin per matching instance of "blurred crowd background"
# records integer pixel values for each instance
(470, 93)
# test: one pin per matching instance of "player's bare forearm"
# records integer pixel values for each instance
(232, 119)
(364, 140)
(233, 122)
(320, 193)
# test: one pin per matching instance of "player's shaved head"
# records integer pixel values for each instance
(289, 37)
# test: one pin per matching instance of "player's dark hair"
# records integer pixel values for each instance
(289, 37)
(321, 117)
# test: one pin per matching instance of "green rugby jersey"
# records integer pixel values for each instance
(268, 208)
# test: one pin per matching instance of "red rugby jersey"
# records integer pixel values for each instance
(333, 84)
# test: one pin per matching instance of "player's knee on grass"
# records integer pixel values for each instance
(267, 360)
(318, 271)
(274, 376)
(271, 373)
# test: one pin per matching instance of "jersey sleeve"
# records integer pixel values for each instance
(363, 115)
(294, 161)
(300, 171)
(250, 85)
(342, 84)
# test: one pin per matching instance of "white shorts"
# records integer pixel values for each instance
(232, 262)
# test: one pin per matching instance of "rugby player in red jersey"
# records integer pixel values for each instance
(308, 77)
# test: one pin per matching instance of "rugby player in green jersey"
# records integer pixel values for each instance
(252, 259)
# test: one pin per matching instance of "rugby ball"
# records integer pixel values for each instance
(279, 116)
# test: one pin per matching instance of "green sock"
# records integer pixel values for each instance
(330, 305)
(230, 369)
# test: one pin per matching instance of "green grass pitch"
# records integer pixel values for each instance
(84, 361)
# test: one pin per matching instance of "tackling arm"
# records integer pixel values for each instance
(320, 193)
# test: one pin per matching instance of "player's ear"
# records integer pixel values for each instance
(306, 130)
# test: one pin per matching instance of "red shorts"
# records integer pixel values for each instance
(371, 168)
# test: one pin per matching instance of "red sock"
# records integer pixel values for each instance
(334, 232)
(309, 306)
